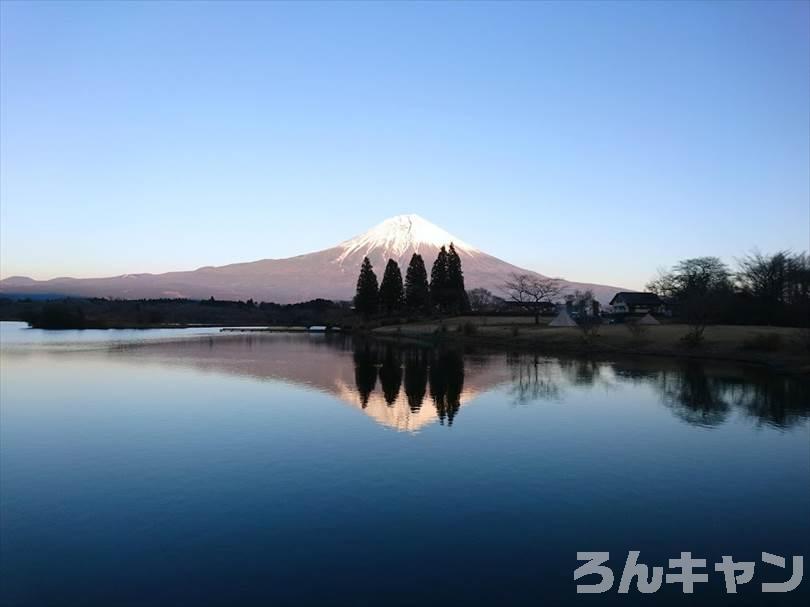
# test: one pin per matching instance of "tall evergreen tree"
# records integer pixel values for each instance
(456, 293)
(438, 281)
(366, 298)
(417, 291)
(391, 292)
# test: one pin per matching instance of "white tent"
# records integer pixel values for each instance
(562, 320)
(647, 319)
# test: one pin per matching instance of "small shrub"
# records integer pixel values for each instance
(694, 337)
(765, 342)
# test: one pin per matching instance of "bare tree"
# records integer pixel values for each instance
(777, 285)
(531, 291)
(481, 300)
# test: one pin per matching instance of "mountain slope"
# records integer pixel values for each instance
(331, 273)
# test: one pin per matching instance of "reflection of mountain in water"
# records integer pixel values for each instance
(407, 375)
(409, 387)
(405, 388)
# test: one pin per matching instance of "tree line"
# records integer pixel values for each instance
(443, 293)
(100, 313)
(763, 290)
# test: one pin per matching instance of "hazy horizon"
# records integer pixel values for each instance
(597, 142)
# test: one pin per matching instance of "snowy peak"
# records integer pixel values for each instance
(398, 235)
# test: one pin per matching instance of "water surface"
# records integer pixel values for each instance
(193, 467)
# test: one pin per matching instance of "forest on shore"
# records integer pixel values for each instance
(101, 313)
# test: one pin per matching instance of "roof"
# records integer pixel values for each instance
(637, 299)
(562, 320)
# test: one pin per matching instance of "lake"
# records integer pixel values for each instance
(193, 467)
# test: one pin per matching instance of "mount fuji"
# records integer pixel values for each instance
(329, 274)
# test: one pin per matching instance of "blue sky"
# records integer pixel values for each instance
(589, 140)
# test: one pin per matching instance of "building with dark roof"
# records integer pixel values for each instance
(636, 303)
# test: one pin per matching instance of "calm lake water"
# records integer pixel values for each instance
(190, 467)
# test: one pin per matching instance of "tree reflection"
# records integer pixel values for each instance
(390, 375)
(532, 379)
(446, 383)
(416, 376)
(365, 373)
(697, 392)
(419, 369)
(693, 395)
(580, 371)
(706, 398)
(771, 399)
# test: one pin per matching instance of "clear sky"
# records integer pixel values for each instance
(594, 141)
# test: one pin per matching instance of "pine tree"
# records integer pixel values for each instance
(456, 293)
(438, 281)
(391, 292)
(417, 291)
(365, 301)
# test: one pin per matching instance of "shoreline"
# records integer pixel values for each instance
(788, 350)
(788, 353)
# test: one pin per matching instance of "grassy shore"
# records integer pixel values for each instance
(783, 348)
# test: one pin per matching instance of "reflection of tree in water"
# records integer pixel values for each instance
(446, 383)
(416, 376)
(532, 379)
(696, 392)
(365, 373)
(706, 399)
(444, 368)
(390, 375)
(537, 377)
(580, 371)
(772, 399)
(694, 396)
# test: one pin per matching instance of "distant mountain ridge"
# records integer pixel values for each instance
(329, 274)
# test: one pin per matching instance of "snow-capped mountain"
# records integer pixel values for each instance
(330, 273)
(402, 234)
